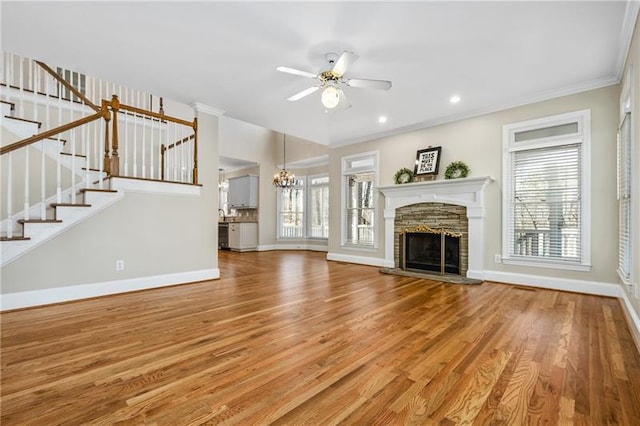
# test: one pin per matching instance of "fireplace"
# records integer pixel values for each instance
(431, 250)
(455, 205)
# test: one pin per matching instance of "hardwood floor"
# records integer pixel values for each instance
(288, 338)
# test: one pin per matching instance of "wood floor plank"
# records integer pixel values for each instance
(289, 338)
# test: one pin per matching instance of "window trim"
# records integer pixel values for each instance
(346, 170)
(279, 192)
(509, 146)
(307, 213)
(627, 106)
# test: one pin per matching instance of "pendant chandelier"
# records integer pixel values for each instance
(284, 179)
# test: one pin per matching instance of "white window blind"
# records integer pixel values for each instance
(318, 207)
(546, 216)
(359, 180)
(624, 198)
(360, 209)
(291, 211)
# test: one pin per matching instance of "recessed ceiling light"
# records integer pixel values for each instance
(454, 99)
(382, 119)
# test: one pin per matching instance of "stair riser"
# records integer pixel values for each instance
(65, 213)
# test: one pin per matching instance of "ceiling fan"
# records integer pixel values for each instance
(332, 80)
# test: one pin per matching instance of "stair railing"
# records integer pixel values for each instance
(40, 158)
(140, 140)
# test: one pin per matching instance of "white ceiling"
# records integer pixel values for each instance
(493, 54)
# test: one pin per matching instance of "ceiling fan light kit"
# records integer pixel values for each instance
(332, 80)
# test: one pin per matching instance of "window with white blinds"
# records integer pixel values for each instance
(291, 211)
(545, 192)
(624, 198)
(359, 200)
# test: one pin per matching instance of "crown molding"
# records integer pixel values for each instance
(626, 35)
(207, 109)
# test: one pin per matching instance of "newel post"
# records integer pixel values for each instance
(115, 160)
(195, 151)
(106, 164)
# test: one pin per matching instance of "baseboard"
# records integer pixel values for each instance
(555, 283)
(633, 320)
(25, 299)
(310, 247)
(363, 260)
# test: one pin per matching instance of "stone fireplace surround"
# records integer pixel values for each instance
(466, 192)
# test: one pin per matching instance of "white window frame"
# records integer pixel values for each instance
(280, 191)
(308, 210)
(627, 107)
(583, 137)
(349, 170)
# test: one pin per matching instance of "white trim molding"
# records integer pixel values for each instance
(294, 246)
(361, 260)
(467, 192)
(555, 283)
(207, 109)
(129, 184)
(26, 299)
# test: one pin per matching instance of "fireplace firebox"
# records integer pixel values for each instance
(435, 250)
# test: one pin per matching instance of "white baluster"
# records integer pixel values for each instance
(151, 162)
(174, 164)
(126, 134)
(9, 194)
(135, 141)
(59, 155)
(73, 165)
(21, 84)
(144, 143)
(87, 166)
(43, 184)
(101, 151)
(26, 183)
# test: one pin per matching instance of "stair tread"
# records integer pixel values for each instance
(69, 205)
(71, 155)
(17, 238)
(24, 119)
(64, 141)
(13, 105)
(39, 221)
(97, 190)
(91, 169)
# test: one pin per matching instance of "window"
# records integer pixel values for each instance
(303, 210)
(359, 174)
(546, 191)
(291, 211)
(625, 184)
(318, 207)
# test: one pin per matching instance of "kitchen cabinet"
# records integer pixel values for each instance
(243, 236)
(243, 192)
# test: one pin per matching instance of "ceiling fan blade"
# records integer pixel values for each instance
(302, 94)
(369, 84)
(344, 62)
(297, 72)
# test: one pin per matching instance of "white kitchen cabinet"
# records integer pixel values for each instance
(243, 236)
(243, 192)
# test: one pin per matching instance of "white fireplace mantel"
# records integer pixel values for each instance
(467, 192)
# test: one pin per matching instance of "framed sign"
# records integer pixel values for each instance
(428, 161)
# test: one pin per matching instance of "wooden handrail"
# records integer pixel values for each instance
(157, 115)
(69, 86)
(178, 143)
(102, 113)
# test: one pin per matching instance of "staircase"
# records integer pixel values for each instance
(61, 152)
(23, 231)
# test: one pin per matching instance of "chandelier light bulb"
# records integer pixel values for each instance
(330, 97)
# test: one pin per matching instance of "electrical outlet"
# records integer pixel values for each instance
(119, 265)
(497, 258)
